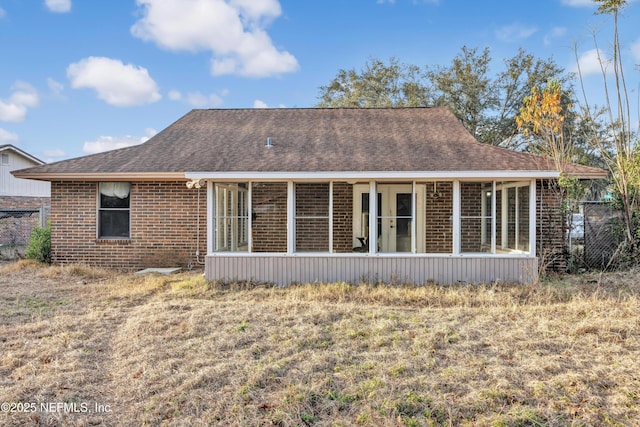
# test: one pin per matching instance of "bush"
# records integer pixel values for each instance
(39, 248)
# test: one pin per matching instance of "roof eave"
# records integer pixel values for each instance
(372, 175)
(100, 176)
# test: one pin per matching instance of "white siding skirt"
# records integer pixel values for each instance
(286, 269)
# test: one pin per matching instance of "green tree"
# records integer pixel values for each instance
(377, 85)
(466, 88)
(485, 104)
(522, 72)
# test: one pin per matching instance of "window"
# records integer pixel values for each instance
(514, 217)
(113, 210)
(5, 159)
(495, 223)
(232, 217)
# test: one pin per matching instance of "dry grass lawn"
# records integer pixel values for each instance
(99, 348)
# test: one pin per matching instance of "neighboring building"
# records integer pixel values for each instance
(298, 195)
(22, 201)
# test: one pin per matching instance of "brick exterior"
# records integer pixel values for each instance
(312, 217)
(438, 218)
(19, 202)
(269, 216)
(471, 206)
(163, 226)
(163, 222)
(342, 217)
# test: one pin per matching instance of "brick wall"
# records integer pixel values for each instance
(163, 226)
(312, 200)
(163, 222)
(470, 206)
(438, 218)
(270, 216)
(342, 217)
(16, 202)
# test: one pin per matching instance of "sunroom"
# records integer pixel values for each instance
(318, 230)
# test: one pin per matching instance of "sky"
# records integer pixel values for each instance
(79, 77)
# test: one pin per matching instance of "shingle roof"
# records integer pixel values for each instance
(307, 140)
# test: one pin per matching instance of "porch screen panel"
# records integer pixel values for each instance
(269, 216)
(513, 217)
(523, 219)
(312, 217)
(439, 217)
(231, 217)
(476, 216)
(343, 221)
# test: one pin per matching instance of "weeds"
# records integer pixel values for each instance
(176, 350)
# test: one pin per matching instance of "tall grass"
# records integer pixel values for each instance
(177, 350)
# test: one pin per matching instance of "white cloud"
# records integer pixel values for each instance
(233, 31)
(175, 95)
(198, 99)
(515, 32)
(116, 83)
(259, 104)
(553, 34)
(106, 143)
(2, 13)
(58, 6)
(6, 136)
(578, 3)
(55, 86)
(591, 62)
(14, 109)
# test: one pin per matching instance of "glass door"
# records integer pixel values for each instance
(395, 217)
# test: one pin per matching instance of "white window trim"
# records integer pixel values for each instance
(99, 208)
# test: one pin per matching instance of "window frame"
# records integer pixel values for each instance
(232, 232)
(100, 210)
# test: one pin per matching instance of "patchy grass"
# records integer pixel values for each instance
(176, 350)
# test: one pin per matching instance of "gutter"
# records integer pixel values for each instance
(99, 176)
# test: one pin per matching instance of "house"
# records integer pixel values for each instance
(304, 195)
(22, 201)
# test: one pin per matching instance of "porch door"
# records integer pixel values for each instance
(395, 217)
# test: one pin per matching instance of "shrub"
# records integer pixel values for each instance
(39, 248)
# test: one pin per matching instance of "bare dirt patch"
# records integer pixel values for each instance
(100, 348)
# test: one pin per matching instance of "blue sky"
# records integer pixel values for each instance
(81, 76)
